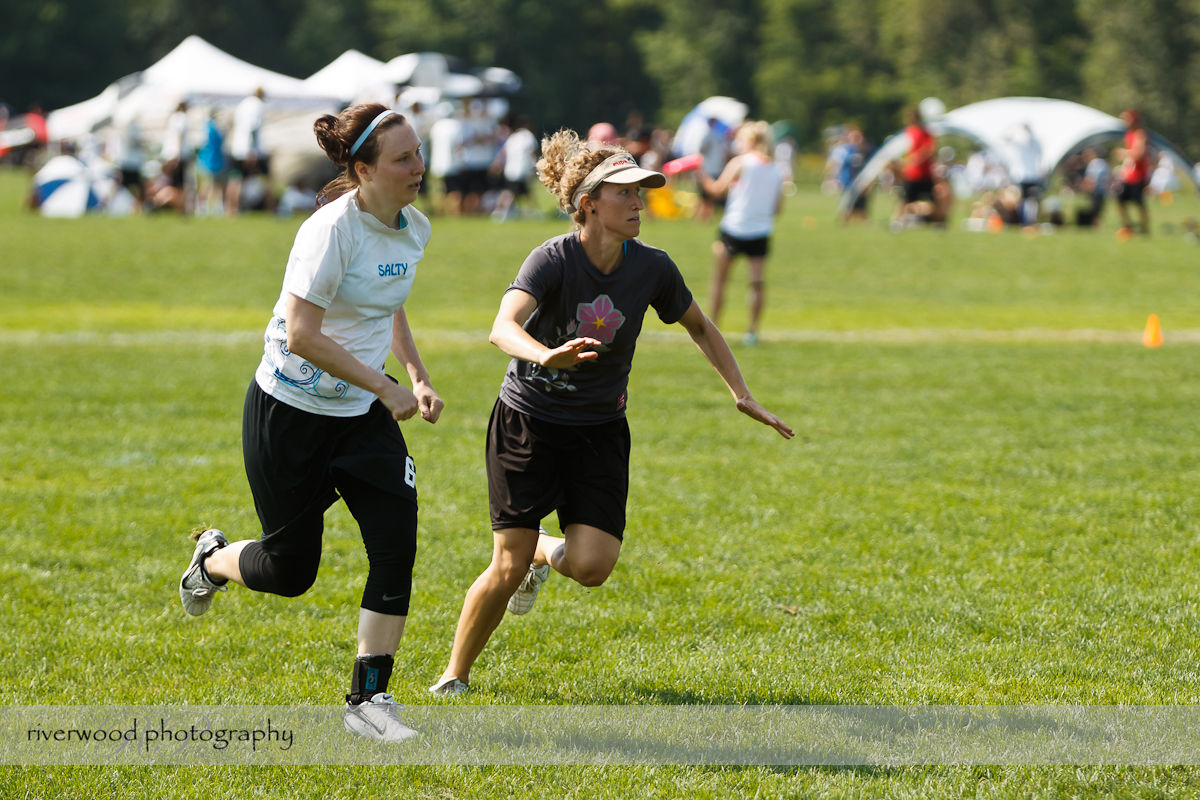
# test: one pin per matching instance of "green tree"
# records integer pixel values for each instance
(48, 58)
(1146, 54)
(698, 49)
(575, 57)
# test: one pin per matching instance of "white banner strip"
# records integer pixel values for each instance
(455, 734)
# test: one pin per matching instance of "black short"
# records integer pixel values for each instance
(1132, 193)
(175, 172)
(475, 181)
(518, 188)
(132, 179)
(535, 467)
(246, 167)
(296, 459)
(918, 190)
(751, 248)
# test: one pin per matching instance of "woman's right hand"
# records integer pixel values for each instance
(571, 353)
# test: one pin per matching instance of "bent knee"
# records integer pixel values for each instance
(591, 574)
(294, 584)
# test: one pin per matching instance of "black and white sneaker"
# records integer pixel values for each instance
(377, 719)
(196, 589)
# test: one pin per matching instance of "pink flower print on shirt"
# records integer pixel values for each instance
(599, 319)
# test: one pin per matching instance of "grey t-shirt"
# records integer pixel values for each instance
(575, 299)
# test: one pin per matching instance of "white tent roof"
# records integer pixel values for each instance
(79, 119)
(198, 68)
(1057, 127)
(350, 76)
(195, 71)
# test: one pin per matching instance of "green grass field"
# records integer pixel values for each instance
(991, 498)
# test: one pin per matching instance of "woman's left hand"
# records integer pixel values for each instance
(428, 402)
(751, 408)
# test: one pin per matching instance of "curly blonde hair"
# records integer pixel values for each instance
(566, 160)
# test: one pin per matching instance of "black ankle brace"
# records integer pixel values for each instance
(369, 678)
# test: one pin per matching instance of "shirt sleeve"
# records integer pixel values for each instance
(540, 274)
(317, 263)
(673, 298)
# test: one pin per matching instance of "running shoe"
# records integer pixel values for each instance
(526, 594)
(377, 719)
(196, 589)
(450, 687)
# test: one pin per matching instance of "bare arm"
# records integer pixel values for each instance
(305, 339)
(720, 186)
(508, 334)
(405, 350)
(716, 350)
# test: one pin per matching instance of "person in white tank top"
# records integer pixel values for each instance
(753, 185)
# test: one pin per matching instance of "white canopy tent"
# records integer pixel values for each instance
(196, 72)
(353, 76)
(1011, 128)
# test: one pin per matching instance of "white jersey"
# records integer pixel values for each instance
(445, 147)
(360, 271)
(520, 155)
(245, 138)
(753, 198)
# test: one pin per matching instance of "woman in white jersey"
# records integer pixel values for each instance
(558, 440)
(753, 185)
(320, 416)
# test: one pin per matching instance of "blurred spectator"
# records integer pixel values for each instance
(125, 149)
(210, 169)
(248, 156)
(517, 160)
(479, 149)
(602, 134)
(926, 194)
(714, 150)
(846, 161)
(1025, 169)
(170, 191)
(637, 135)
(1134, 172)
(1097, 177)
(446, 163)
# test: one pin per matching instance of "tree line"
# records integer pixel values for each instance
(814, 62)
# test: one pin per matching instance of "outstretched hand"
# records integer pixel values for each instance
(571, 353)
(751, 408)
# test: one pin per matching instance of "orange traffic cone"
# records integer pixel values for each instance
(1152, 336)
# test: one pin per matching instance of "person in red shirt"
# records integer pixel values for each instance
(1135, 170)
(926, 195)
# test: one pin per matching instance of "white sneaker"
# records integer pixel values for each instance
(526, 594)
(450, 687)
(196, 589)
(376, 719)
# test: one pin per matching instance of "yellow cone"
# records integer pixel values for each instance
(1152, 336)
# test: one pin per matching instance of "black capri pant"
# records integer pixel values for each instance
(298, 465)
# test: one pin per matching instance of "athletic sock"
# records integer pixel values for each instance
(369, 678)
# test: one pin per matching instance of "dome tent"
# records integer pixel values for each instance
(1058, 128)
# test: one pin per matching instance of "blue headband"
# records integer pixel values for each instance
(363, 136)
